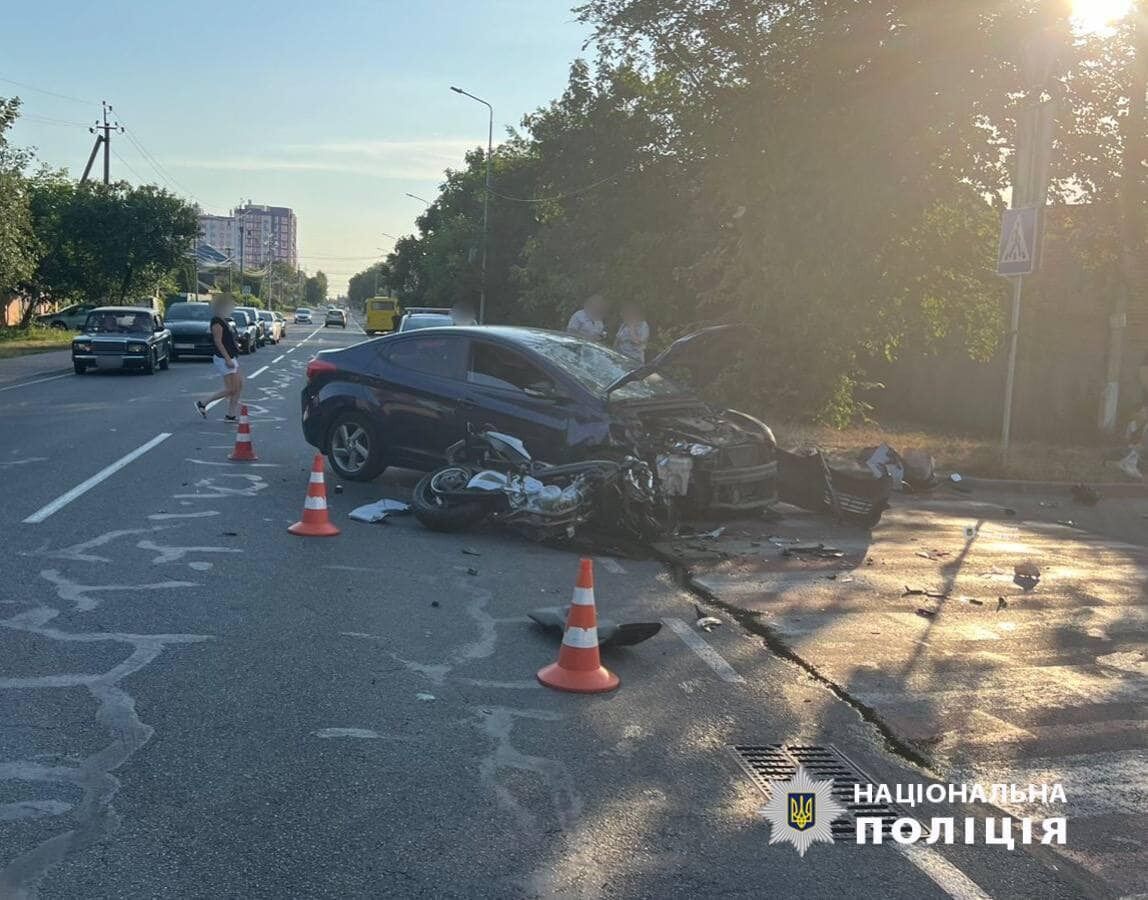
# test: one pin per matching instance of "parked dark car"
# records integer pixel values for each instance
(404, 398)
(190, 327)
(262, 336)
(247, 331)
(122, 337)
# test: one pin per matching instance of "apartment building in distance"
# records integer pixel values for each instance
(253, 234)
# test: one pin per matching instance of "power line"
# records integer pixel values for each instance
(48, 120)
(40, 90)
(575, 193)
(128, 165)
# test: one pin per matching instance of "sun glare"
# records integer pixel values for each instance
(1094, 16)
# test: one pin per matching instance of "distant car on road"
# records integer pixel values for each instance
(122, 337)
(335, 316)
(302, 316)
(247, 330)
(70, 318)
(271, 326)
(190, 327)
(413, 321)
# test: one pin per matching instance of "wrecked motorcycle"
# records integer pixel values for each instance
(490, 476)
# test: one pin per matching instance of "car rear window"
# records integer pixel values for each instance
(189, 312)
(383, 305)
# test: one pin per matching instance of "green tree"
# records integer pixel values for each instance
(19, 249)
(110, 243)
(315, 293)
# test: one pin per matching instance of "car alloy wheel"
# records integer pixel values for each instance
(350, 447)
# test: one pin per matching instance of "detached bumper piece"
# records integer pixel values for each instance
(808, 480)
(737, 490)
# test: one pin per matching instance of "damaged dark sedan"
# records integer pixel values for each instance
(402, 400)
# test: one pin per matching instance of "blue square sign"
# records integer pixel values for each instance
(1020, 241)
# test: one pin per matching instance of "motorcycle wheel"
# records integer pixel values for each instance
(439, 515)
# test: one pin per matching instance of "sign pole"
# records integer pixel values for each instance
(1010, 377)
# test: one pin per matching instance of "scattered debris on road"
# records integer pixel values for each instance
(1026, 575)
(1002, 603)
(552, 620)
(472, 571)
(705, 622)
(378, 511)
(926, 613)
(819, 551)
(470, 551)
(424, 697)
(924, 592)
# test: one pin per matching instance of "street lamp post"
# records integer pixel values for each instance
(417, 197)
(485, 199)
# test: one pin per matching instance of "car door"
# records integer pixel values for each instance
(508, 390)
(420, 397)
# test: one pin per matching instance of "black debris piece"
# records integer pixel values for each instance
(819, 551)
(926, 613)
(552, 620)
(1026, 575)
(470, 551)
(472, 571)
(1002, 603)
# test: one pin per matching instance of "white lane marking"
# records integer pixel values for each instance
(279, 357)
(80, 489)
(258, 372)
(194, 515)
(708, 654)
(292, 350)
(611, 565)
(943, 873)
(208, 462)
(215, 403)
(13, 387)
(362, 733)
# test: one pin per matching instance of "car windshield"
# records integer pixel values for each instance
(118, 323)
(302, 311)
(411, 323)
(597, 367)
(266, 316)
(240, 317)
(188, 312)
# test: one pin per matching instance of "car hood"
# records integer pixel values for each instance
(705, 353)
(189, 327)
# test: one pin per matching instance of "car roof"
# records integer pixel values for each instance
(122, 309)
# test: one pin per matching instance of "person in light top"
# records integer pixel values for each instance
(633, 334)
(590, 321)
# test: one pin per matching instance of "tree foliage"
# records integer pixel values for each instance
(19, 249)
(830, 173)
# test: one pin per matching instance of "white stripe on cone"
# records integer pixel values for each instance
(316, 478)
(583, 596)
(242, 438)
(314, 503)
(582, 638)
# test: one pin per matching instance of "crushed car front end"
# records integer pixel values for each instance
(719, 461)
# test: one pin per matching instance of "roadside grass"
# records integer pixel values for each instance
(968, 454)
(22, 341)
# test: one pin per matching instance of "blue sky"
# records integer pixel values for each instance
(335, 108)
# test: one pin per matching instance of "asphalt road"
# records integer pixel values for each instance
(194, 703)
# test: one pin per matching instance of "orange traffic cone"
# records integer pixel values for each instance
(243, 451)
(315, 522)
(579, 667)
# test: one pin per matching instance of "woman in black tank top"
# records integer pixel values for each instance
(225, 360)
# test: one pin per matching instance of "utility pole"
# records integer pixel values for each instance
(230, 266)
(103, 132)
(485, 199)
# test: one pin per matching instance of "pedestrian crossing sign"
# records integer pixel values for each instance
(1020, 241)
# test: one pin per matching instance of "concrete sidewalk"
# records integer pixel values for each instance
(1040, 686)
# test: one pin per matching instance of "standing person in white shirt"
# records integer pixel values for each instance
(590, 321)
(633, 334)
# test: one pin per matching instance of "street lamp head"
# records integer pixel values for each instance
(457, 90)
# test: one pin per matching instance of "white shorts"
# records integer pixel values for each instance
(220, 365)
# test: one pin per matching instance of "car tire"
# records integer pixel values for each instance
(165, 363)
(443, 518)
(173, 356)
(60, 326)
(80, 368)
(351, 436)
(150, 368)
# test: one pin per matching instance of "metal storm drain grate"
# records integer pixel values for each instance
(771, 763)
